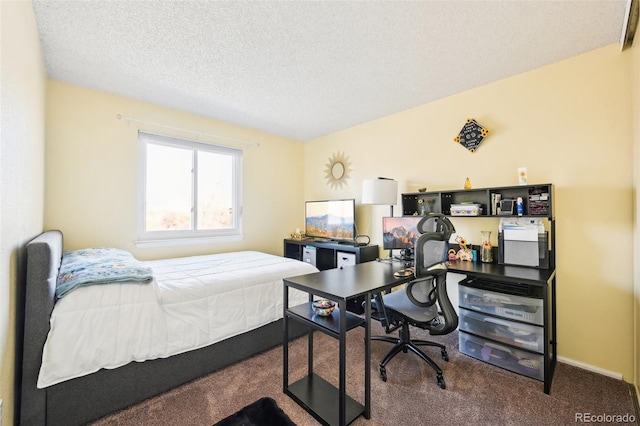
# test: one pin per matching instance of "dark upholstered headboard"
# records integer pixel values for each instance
(44, 254)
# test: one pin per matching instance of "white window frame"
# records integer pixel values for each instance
(159, 238)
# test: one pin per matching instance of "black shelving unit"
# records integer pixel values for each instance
(537, 200)
(328, 252)
(312, 392)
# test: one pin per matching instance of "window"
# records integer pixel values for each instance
(187, 190)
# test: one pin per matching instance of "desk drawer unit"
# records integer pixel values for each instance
(503, 305)
(503, 329)
(516, 360)
(525, 336)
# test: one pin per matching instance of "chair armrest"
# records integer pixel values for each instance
(385, 318)
(438, 268)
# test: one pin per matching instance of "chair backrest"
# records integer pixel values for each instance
(432, 245)
(436, 222)
(430, 262)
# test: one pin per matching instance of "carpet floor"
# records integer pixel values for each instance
(476, 393)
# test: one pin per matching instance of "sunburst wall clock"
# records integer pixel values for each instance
(471, 135)
(337, 170)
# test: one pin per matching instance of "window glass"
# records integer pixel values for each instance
(187, 189)
(168, 197)
(215, 191)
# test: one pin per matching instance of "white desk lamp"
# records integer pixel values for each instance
(380, 191)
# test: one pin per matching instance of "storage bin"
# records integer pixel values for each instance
(345, 259)
(516, 360)
(466, 209)
(309, 255)
(524, 253)
(514, 333)
(505, 305)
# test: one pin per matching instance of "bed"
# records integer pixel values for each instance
(240, 320)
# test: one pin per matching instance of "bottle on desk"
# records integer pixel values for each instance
(519, 206)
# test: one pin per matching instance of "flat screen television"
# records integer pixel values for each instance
(331, 219)
(400, 232)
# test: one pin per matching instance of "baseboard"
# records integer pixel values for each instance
(592, 368)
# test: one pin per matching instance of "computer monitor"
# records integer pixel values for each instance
(400, 232)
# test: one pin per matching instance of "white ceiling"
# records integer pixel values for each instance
(304, 69)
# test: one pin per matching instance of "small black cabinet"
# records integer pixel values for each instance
(330, 254)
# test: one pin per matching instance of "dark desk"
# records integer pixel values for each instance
(523, 281)
(312, 392)
(507, 273)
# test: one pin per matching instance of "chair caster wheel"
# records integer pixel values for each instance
(445, 355)
(383, 374)
(441, 382)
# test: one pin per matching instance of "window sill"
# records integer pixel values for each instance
(188, 241)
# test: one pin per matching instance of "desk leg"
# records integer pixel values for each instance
(548, 338)
(550, 354)
(553, 321)
(285, 340)
(342, 305)
(367, 357)
(310, 346)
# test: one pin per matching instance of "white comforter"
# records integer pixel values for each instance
(192, 302)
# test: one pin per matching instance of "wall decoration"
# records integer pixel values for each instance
(522, 175)
(471, 135)
(337, 171)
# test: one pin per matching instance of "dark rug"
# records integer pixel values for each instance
(263, 412)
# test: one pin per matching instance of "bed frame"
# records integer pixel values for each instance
(90, 397)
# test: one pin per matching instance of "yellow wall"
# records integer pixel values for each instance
(570, 124)
(21, 171)
(635, 73)
(91, 172)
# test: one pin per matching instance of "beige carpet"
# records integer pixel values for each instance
(477, 393)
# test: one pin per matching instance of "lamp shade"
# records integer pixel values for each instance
(380, 191)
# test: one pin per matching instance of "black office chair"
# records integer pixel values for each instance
(424, 303)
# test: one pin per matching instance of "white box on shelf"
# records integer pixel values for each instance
(466, 209)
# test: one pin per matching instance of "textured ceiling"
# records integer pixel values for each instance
(304, 69)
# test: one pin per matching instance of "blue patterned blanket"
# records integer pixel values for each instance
(99, 266)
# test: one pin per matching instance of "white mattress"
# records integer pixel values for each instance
(192, 302)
